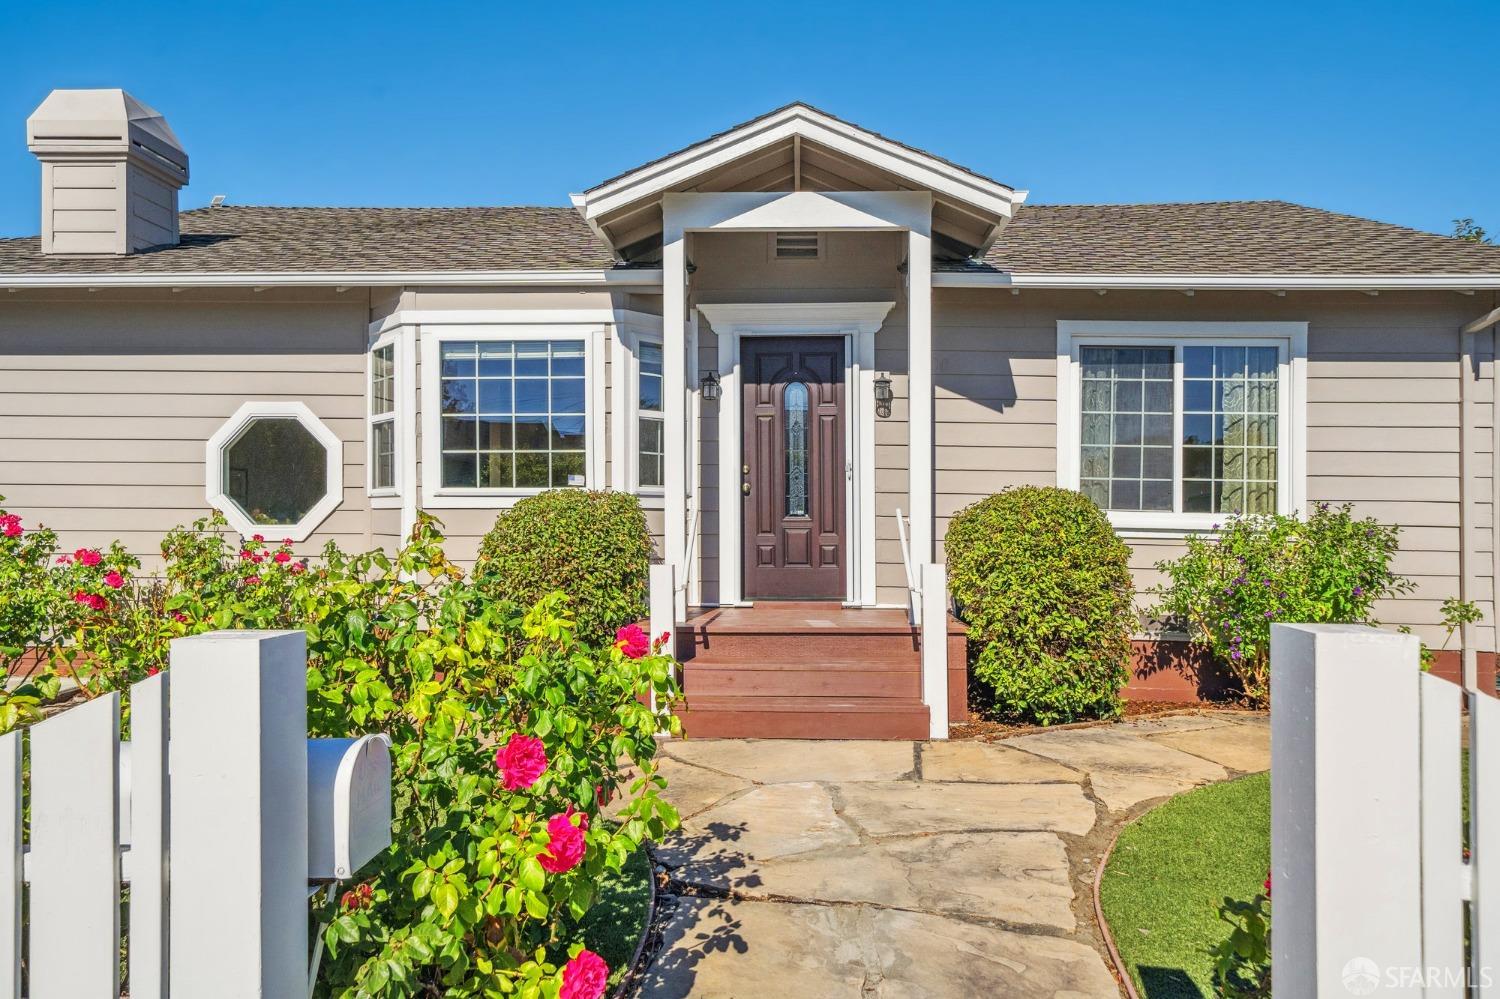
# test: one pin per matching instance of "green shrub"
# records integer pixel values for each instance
(1045, 587)
(1226, 592)
(593, 546)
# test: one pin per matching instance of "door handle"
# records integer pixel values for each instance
(745, 484)
(745, 488)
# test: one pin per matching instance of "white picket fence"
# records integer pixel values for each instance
(204, 814)
(1371, 889)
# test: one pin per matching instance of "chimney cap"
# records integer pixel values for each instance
(71, 123)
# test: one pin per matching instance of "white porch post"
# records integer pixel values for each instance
(919, 392)
(674, 399)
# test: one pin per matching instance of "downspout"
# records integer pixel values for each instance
(1468, 375)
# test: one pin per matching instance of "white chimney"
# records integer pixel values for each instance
(111, 169)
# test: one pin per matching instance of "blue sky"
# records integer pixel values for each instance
(1383, 110)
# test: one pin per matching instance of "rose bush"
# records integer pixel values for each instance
(1226, 592)
(509, 736)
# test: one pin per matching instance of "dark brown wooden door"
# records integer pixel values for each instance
(793, 474)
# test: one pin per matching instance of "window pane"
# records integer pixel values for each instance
(382, 380)
(1127, 402)
(543, 383)
(1232, 407)
(383, 445)
(275, 471)
(794, 401)
(650, 430)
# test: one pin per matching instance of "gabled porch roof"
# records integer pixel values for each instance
(799, 148)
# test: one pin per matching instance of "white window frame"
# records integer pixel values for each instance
(1290, 339)
(626, 371)
(387, 497)
(333, 450)
(437, 496)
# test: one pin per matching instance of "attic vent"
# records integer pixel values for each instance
(798, 246)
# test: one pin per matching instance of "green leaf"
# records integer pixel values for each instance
(531, 876)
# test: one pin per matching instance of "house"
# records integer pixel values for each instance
(805, 345)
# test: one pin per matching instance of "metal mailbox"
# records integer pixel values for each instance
(348, 804)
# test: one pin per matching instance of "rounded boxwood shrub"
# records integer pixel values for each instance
(593, 546)
(1045, 587)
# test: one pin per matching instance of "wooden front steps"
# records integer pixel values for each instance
(805, 671)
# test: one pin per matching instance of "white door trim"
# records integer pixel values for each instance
(857, 323)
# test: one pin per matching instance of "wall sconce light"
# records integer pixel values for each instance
(710, 386)
(883, 397)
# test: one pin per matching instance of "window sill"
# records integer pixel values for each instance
(1129, 523)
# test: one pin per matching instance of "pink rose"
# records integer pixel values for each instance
(521, 762)
(257, 537)
(282, 557)
(80, 597)
(632, 641)
(64, 560)
(584, 977)
(10, 525)
(246, 554)
(179, 617)
(113, 579)
(298, 567)
(565, 844)
(87, 556)
(252, 580)
(286, 542)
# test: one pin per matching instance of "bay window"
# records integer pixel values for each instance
(1177, 425)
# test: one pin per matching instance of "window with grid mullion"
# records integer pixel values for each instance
(1127, 427)
(1229, 434)
(513, 414)
(650, 471)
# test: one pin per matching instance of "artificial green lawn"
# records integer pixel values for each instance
(1170, 872)
(614, 925)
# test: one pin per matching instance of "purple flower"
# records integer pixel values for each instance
(1270, 614)
(1235, 654)
(1359, 591)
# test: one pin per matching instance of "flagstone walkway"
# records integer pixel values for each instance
(878, 870)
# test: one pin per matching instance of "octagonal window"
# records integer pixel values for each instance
(275, 471)
(276, 466)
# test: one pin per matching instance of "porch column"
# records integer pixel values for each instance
(674, 407)
(919, 393)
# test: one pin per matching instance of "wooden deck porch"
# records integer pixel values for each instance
(807, 670)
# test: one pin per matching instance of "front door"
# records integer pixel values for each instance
(793, 474)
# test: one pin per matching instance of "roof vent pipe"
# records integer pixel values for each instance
(111, 170)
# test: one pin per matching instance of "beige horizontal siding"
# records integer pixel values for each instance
(1382, 414)
(107, 403)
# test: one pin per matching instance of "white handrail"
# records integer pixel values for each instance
(913, 598)
(692, 544)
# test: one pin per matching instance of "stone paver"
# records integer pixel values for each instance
(1124, 769)
(1238, 747)
(781, 761)
(845, 869)
(990, 763)
(735, 949)
(893, 808)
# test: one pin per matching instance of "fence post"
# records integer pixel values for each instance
(662, 605)
(1345, 820)
(934, 617)
(238, 785)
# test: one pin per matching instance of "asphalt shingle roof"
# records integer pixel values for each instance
(255, 239)
(1225, 237)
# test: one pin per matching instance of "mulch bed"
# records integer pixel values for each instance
(985, 730)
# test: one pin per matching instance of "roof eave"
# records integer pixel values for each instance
(620, 278)
(1212, 282)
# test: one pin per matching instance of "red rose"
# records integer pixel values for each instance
(97, 602)
(87, 556)
(80, 597)
(282, 557)
(632, 641)
(521, 762)
(286, 542)
(257, 537)
(113, 579)
(10, 525)
(565, 844)
(298, 567)
(584, 977)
